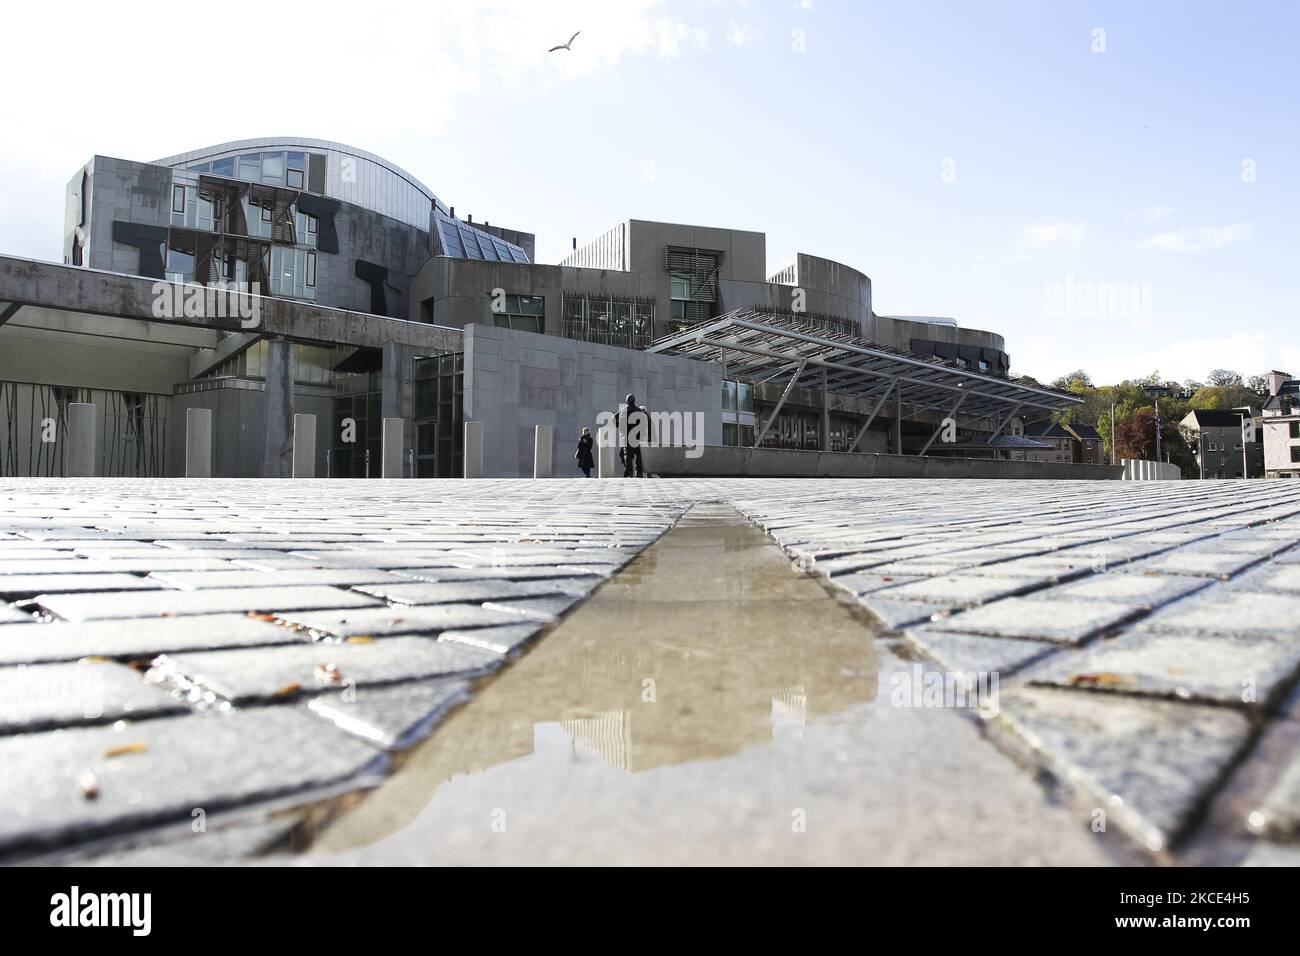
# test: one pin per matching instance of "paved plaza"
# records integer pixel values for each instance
(215, 671)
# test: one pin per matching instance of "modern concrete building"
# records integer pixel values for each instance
(335, 287)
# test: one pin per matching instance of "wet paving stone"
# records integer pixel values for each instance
(15, 586)
(137, 639)
(1062, 620)
(975, 653)
(384, 621)
(70, 785)
(289, 671)
(1147, 763)
(395, 717)
(45, 696)
(460, 592)
(91, 607)
(1238, 671)
(354, 617)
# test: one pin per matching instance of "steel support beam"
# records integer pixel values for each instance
(777, 411)
(956, 406)
(872, 417)
(1003, 424)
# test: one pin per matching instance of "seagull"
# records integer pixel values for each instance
(564, 46)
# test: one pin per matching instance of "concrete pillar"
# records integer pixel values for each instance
(473, 450)
(198, 443)
(82, 460)
(304, 446)
(607, 465)
(896, 429)
(277, 453)
(824, 436)
(393, 440)
(543, 451)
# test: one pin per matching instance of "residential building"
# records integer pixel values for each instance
(1281, 426)
(1216, 441)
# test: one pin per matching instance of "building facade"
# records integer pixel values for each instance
(1217, 440)
(1280, 420)
(368, 285)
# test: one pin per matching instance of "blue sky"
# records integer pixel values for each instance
(1120, 201)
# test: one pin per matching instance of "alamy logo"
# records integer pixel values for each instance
(647, 429)
(103, 909)
(922, 687)
(238, 300)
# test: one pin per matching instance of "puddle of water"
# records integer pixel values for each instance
(707, 705)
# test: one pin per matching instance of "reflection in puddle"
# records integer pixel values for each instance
(707, 644)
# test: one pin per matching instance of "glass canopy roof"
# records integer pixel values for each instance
(463, 241)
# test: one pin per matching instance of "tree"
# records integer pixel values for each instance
(1065, 382)
(1224, 377)
(1258, 384)
(1135, 437)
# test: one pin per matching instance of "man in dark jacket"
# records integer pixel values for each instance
(636, 423)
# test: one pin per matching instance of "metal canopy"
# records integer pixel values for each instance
(764, 347)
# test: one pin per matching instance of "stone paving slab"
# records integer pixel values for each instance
(42, 696)
(250, 675)
(12, 615)
(1063, 620)
(394, 717)
(1147, 763)
(461, 592)
(504, 639)
(139, 639)
(975, 653)
(1249, 671)
(71, 785)
(96, 606)
(1168, 592)
(385, 621)
(202, 580)
(15, 586)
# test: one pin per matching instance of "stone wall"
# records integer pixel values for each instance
(515, 381)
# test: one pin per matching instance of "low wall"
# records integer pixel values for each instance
(728, 462)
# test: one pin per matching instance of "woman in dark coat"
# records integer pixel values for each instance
(585, 459)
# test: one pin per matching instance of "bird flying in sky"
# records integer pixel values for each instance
(564, 46)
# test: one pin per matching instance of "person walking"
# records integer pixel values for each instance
(586, 461)
(636, 423)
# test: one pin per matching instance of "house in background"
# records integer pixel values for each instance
(1215, 438)
(1281, 426)
(1060, 443)
(1089, 446)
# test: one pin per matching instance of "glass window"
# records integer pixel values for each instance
(178, 199)
(223, 167)
(250, 166)
(180, 266)
(311, 268)
(728, 396)
(1295, 452)
(273, 167)
(1295, 429)
(744, 397)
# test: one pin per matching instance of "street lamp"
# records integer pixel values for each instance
(1248, 411)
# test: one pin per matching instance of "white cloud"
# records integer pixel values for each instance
(1045, 239)
(1150, 214)
(740, 34)
(1198, 238)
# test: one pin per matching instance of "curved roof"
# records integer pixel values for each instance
(303, 142)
